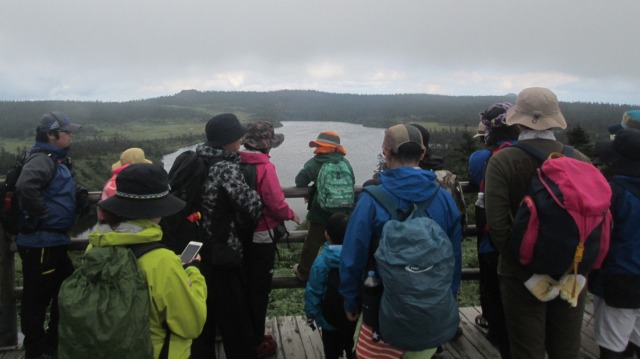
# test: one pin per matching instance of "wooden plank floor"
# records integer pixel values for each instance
(297, 341)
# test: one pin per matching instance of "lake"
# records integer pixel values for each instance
(363, 144)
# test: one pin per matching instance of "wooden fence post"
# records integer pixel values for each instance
(8, 306)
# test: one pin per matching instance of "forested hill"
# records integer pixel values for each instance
(18, 119)
(161, 125)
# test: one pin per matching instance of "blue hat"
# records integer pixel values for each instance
(631, 120)
(57, 121)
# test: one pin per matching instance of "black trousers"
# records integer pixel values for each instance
(43, 271)
(228, 311)
(335, 342)
(259, 260)
(491, 302)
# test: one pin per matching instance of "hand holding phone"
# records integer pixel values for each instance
(190, 252)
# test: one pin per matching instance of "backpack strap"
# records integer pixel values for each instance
(390, 205)
(140, 249)
(531, 151)
(567, 151)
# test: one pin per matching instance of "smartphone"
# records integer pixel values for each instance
(190, 252)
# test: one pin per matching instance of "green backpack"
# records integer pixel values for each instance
(335, 186)
(104, 306)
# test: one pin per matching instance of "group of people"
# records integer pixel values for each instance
(226, 288)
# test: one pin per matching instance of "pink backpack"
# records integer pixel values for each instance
(563, 222)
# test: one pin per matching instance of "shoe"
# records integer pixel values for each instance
(266, 348)
(297, 273)
(481, 321)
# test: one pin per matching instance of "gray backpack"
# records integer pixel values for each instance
(415, 262)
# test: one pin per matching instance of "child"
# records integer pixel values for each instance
(328, 150)
(321, 292)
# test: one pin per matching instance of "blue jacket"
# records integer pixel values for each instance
(405, 185)
(47, 192)
(621, 268)
(477, 167)
(317, 284)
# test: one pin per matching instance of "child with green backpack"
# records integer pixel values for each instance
(130, 296)
(331, 192)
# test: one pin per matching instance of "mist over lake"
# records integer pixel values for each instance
(363, 144)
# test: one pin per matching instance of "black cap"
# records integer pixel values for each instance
(224, 129)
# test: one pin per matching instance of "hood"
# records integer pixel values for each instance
(130, 232)
(331, 254)
(328, 157)
(209, 152)
(253, 157)
(117, 170)
(410, 184)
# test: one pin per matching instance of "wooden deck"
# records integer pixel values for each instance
(297, 341)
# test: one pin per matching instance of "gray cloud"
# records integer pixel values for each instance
(121, 50)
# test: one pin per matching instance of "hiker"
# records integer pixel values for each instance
(260, 252)
(533, 325)
(630, 120)
(403, 183)
(328, 151)
(226, 199)
(337, 333)
(127, 157)
(46, 190)
(494, 135)
(177, 294)
(616, 286)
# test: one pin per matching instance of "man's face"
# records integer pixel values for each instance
(63, 140)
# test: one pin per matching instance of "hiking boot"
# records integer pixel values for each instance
(297, 273)
(266, 348)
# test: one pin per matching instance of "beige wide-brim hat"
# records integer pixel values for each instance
(536, 108)
(129, 157)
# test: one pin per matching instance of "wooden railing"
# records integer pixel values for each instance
(10, 294)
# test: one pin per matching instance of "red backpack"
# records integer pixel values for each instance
(563, 222)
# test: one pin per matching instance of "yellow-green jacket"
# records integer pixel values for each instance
(177, 296)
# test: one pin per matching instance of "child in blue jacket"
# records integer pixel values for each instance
(322, 293)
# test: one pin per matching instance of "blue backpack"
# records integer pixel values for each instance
(415, 262)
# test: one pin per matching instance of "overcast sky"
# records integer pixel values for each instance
(118, 50)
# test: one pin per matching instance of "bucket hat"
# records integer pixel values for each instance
(328, 139)
(622, 154)
(536, 108)
(129, 157)
(142, 192)
(57, 121)
(224, 129)
(260, 135)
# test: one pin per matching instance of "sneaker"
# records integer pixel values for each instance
(297, 273)
(266, 348)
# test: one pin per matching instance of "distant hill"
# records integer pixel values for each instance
(18, 118)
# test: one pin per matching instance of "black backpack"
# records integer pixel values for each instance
(186, 176)
(11, 215)
(332, 304)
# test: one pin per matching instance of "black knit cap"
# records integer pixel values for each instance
(224, 129)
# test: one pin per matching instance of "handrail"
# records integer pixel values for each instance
(9, 295)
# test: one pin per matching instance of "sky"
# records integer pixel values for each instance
(121, 50)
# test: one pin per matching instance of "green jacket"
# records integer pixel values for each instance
(177, 296)
(506, 182)
(308, 174)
